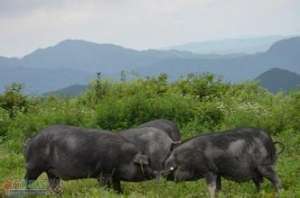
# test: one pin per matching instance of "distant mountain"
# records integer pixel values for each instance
(277, 79)
(283, 54)
(37, 81)
(93, 57)
(230, 46)
(273, 80)
(76, 62)
(73, 90)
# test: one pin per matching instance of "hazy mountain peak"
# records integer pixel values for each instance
(75, 47)
(72, 90)
(277, 79)
(291, 45)
(75, 61)
(230, 46)
(79, 42)
(277, 70)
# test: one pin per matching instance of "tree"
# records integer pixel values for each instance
(13, 100)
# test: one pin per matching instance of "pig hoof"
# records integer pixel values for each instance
(57, 190)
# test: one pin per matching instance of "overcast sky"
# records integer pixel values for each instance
(29, 24)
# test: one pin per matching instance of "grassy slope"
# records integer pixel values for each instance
(288, 166)
(198, 103)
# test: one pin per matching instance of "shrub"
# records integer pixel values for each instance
(201, 86)
(197, 103)
(294, 110)
(115, 113)
(4, 121)
(13, 100)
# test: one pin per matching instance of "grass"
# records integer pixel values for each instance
(196, 102)
(288, 167)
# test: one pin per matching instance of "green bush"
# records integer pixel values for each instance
(113, 113)
(197, 103)
(294, 111)
(202, 86)
(13, 100)
(4, 122)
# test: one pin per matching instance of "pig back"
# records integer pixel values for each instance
(169, 127)
(72, 152)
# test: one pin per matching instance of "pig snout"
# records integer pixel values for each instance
(144, 168)
(169, 168)
(169, 175)
(148, 172)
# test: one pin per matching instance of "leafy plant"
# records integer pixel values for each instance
(13, 100)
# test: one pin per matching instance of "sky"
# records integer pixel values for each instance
(26, 25)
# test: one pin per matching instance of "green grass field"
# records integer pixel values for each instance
(197, 103)
(288, 167)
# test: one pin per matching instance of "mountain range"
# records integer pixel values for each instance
(283, 54)
(276, 80)
(230, 46)
(273, 80)
(73, 90)
(76, 62)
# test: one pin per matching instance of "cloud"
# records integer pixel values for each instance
(18, 8)
(29, 24)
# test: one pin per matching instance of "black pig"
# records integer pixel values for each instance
(167, 126)
(153, 142)
(240, 154)
(66, 152)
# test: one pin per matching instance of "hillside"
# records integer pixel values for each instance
(76, 62)
(230, 46)
(283, 54)
(73, 90)
(38, 81)
(198, 104)
(93, 57)
(277, 79)
(273, 80)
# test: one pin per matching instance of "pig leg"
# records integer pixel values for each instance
(270, 174)
(105, 180)
(258, 179)
(31, 175)
(211, 180)
(117, 185)
(54, 182)
(219, 184)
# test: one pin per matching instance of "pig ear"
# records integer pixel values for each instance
(141, 159)
(174, 145)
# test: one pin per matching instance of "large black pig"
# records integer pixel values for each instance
(240, 154)
(153, 142)
(167, 126)
(66, 152)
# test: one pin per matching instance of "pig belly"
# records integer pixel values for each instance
(236, 169)
(69, 171)
(72, 174)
